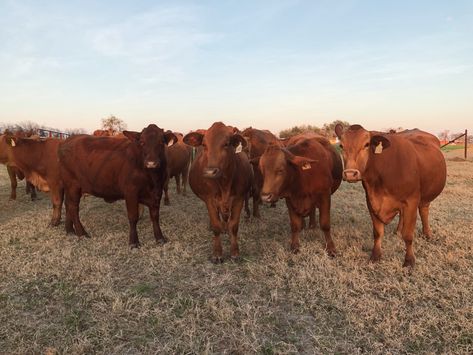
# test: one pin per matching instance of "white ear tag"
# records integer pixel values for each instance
(239, 148)
(306, 166)
(379, 148)
(13, 144)
(170, 143)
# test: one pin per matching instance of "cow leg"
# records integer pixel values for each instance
(256, 203)
(233, 225)
(312, 220)
(185, 176)
(408, 228)
(424, 216)
(178, 183)
(73, 196)
(132, 210)
(399, 224)
(165, 188)
(31, 190)
(57, 198)
(378, 234)
(13, 182)
(158, 233)
(296, 227)
(69, 223)
(324, 217)
(247, 206)
(216, 226)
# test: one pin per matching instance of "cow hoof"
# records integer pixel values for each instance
(217, 260)
(135, 246)
(295, 250)
(332, 253)
(409, 263)
(54, 223)
(273, 205)
(85, 235)
(375, 258)
(162, 241)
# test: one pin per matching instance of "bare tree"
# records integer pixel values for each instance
(444, 135)
(113, 124)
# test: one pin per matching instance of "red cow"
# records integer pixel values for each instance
(178, 159)
(257, 141)
(14, 173)
(401, 173)
(306, 175)
(37, 160)
(133, 169)
(221, 178)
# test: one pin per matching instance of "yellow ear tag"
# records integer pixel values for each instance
(306, 166)
(379, 148)
(239, 148)
(13, 144)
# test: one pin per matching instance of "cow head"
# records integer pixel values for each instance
(151, 142)
(275, 165)
(357, 146)
(219, 143)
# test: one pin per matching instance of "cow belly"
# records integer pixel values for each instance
(39, 182)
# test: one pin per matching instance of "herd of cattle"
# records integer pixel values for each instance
(400, 172)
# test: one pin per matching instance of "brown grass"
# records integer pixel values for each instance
(61, 294)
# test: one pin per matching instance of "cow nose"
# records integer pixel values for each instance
(351, 175)
(267, 197)
(212, 172)
(152, 164)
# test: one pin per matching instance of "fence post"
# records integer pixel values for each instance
(466, 142)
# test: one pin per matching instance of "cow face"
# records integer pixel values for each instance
(219, 143)
(275, 165)
(151, 142)
(357, 146)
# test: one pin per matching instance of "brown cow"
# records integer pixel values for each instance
(178, 159)
(221, 178)
(306, 175)
(257, 141)
(13, 172)
(133, 169)
(37, 160)
(401, 173)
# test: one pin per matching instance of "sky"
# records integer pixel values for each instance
(267, 64)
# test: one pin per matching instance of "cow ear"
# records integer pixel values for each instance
(193, 139)
(379, 143)
(237, 139)
(133, 136)
(302, 163)
(170, 138)
(339, 130)
(13, 141)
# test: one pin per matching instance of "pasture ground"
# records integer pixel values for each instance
(60, 294)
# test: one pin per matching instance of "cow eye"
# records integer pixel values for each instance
(367, 145)
(341, 146)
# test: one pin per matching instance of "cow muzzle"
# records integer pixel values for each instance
(152, 164)
(351, 175)
(212, 173)
(268, 197)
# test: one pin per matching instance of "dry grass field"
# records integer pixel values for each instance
(60, 294)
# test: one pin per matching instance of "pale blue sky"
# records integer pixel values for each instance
(269, 64)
